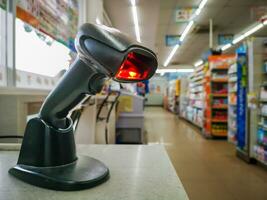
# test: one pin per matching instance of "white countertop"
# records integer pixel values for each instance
(137, 172)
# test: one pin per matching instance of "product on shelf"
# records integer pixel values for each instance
(172, 96)
(220, 103)
(232, 100)
(219, 129)
(260, 153)
(183, 97)
(263, 93)
(265, 66)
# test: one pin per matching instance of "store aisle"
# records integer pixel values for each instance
(208, 169)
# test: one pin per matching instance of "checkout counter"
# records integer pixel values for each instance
(18, 104)
(127, 125)
(136, 171)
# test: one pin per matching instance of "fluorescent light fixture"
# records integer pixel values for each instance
(133, 2)
(171, 55)
(98, 21)
(225, 47)
(248, 33)
(198, 63)
(161, 71)
(253, 30)
(135, 18)
(238, 39)
(186, 30)
(201, 5)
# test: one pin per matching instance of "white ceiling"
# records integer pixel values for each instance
(156, 21)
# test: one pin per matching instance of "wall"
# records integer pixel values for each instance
(158, 86)
(14, 111)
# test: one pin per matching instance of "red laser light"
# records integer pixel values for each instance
(134, 68)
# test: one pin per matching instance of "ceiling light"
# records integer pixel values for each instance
(187, 29)
(201, 5)
(249, 32)
(133, 2)
(198, 63)
(238, 39)
(161, 71)
(225, 47)
(171, 55)
(244, 35)
(135, 18)
(253, 30)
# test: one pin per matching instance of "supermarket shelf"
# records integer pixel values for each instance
(262, 126)
(225, 106)
(200, 68)
(197, 91)
(262, 145)
(263, 114)
(198, 83)
(232, 104)
(191, 122)
(219, 134)
(233, 79)
(232, 72)
(232, 129)
(232, 116)
(191, 76)
(220, 80)
(198, 78)
(195, 99)
(264, 84)
(263, 100)
(223, 67)
(219, 120)
(219, 95)
(199, 107)
(199, 73)
(233, 91)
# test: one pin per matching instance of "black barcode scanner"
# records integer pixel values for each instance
(48, 155)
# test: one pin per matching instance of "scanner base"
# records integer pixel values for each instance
(48, 159)
(85, 172)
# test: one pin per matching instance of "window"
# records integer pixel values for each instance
(3, 28)
(38, 53)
